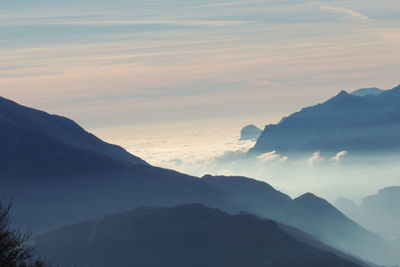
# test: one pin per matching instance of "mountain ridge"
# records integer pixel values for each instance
(344, 122)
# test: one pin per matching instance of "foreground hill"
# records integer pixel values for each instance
(311, 214)
(379, 212)
(345, 122)
(190, 235)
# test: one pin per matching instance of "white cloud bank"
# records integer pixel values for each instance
(315, 159)
(272, 158)
(338, 157)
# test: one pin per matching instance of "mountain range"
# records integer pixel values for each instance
(54, 169)
(362, 122)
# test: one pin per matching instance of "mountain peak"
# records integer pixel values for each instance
(343, 97)
(308, 196)
(314, 202)
(343, 93)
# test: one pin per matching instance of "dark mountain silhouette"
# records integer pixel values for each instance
(64, 182)
(379, 213)
(190, 235)
(308, 213)
(344, 122)
(59, 128)
(250, 132)
(367, 91)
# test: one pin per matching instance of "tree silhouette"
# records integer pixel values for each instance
(14, 252)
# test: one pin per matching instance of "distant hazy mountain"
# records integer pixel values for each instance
(379, 213)
(55, 170)
(58, 128)
(345, 122)
(190, 235)
(308, 213)
(347, 206)
(250, 132)
(367, 91)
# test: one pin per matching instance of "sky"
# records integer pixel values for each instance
(118, 63)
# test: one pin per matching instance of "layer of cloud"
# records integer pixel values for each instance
(339, 156)
(315, 159)
(272, 158)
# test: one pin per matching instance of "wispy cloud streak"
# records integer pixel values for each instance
(348, 13)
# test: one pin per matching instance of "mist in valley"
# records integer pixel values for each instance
(215, 149)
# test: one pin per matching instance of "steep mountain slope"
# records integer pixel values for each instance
(191, 235)
(27, 153)
(59, 128)
(344, 122)
(310, 214)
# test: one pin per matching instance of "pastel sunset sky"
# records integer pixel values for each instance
(126, 62)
